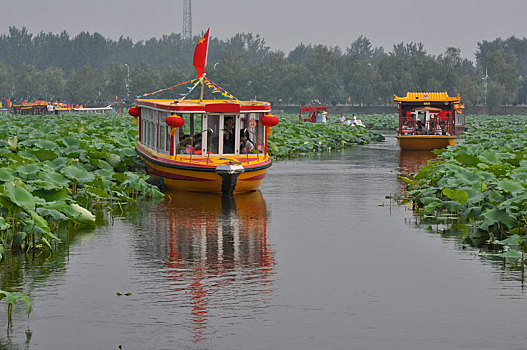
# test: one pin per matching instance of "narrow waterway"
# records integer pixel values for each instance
(318, 259)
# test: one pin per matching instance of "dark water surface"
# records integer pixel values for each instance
(317, 260)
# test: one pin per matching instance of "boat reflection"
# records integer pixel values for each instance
(216, 251)
(410, 162)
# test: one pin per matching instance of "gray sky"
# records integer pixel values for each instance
(284, 24)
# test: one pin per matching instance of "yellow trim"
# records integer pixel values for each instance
(427, 96)
(425, 142)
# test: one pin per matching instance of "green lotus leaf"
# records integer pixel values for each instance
(44, 154)
(46, 144)
(104, 173)
(3, 224)
(26, 170)
(456, 195)
(510, 186)
(97, 192)
(55, 179)
(6, 174)
(55, 214)
(510, 254)
(52, 195)
(71, 141)
(39, 220)
(467, 159)
(19, 196)
(114, 160)
(499, 216)
(77, 173)
(58, 163)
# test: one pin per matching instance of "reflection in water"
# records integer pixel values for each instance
(213, 247)
(410, 162)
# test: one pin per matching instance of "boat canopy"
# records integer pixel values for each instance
(427, 97)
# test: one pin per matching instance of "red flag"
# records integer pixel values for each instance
(8, 102)
(200, 54)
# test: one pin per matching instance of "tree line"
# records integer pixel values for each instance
(91, 69)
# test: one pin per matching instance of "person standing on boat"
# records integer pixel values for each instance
(228, 136)
(324, 117)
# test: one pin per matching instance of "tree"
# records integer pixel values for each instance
(84, 85)
(6, 80)
(53, 83)
(28, 83)
(143, 80)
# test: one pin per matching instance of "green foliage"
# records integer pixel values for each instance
(88, 164)
(486, 175)
(11, 299)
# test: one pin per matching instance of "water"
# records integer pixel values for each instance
(318, 259)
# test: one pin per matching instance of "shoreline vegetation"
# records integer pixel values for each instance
(478, 188)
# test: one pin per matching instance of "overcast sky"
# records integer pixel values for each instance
(284, 24)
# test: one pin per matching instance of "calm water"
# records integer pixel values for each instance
(317, 260)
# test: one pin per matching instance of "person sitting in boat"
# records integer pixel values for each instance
(408, 129)
(246, 145)
(342, 119)
(228, 136)
(420, 129)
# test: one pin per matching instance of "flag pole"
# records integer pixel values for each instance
(202, 87)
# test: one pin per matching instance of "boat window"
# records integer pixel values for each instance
(251, 134)
(212, 122)
(230, 135)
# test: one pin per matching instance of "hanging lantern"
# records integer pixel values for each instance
(174, 121)
(134, 111)
(269, 120)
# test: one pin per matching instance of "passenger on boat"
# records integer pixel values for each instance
(246, 145)
(228, 136)
(342, 119)
(324, 117)
(408, 129)
(420, 129)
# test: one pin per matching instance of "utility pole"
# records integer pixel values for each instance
(127, 82)
(187, 20)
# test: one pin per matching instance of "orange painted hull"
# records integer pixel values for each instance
(424, 142)
(197, 173)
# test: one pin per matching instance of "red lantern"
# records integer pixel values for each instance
(269, 120)
(134, 111)
(174, 121)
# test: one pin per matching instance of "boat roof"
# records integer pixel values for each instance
(204, 106)
(427, 97)
(313, 108)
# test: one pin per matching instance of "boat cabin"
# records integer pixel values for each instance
(428, 120)
(203, 133)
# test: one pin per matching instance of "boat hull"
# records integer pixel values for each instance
(198, 174)
(424, 142)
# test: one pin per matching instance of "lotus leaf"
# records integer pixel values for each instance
(46, 144)
(6, 174)
(510, 186)
(456, 195)
(19, 196)
(55, 180)
(77, 173)
(498, 216)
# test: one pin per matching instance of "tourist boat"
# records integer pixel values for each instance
(314, 113)
(216, 146)
(428, 120)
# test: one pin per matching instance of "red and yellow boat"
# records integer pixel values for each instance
(428, 120)
(215, 146)
(197, 157)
